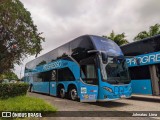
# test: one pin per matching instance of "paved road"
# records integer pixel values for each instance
(135, 103)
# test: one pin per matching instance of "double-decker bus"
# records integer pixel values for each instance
(89, 68)
(145, 76)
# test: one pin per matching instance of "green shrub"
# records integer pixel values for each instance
(13, 89)
(25, 103)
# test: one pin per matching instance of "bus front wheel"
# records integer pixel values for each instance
(73, 94)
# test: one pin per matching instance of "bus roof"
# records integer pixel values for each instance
(144, 46)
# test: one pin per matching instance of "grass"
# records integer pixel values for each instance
(25, 103)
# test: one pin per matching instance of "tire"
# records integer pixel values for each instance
(73, 95)
(62, 93)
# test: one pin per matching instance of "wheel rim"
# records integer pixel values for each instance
(62, 93)
(73, 94)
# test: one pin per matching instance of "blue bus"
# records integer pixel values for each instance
(145, 76)
(89, 68)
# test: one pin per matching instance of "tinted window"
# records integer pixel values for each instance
(65, 74)
(70, 48)
(88, 74)
(139, 72)
(45, 76)
(88, 71)
(103, 44)
(37, 77)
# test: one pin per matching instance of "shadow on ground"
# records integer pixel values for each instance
(145, 99)
(109, 104)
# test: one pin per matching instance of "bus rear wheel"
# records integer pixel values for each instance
(62, 93)
(73, 94)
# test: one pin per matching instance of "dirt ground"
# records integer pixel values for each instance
(136, 103)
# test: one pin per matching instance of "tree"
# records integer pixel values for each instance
(9, 75)
(119, 38)
(153, 30)
(41, 63)
(19, 36)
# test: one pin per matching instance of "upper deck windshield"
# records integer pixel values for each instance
(110, 47)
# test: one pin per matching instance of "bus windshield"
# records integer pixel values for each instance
(110, 47)
(116, 70)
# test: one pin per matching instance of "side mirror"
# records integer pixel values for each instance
(104, 57)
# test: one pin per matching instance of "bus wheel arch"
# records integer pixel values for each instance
(72, 92)
(61, 91)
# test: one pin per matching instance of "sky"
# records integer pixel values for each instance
(63, 20)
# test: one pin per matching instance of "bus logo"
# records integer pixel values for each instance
(52, 65)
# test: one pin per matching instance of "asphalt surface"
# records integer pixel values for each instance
(136, 103)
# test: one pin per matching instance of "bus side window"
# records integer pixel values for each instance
(88, 71)
(38, 77)
(46, 76)
(139, 72)
(88, 74)
(65, 74)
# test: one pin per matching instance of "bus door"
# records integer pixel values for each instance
(53, 83)
(88, 81)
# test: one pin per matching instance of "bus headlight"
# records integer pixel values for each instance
(108, 89)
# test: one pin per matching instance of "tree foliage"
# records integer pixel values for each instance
(9, 75)
(119, 38)
(41, 63)
(19, 36)
(153, 30)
